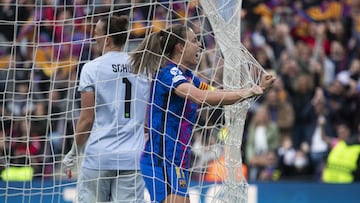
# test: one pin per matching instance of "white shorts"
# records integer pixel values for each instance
(110, 186)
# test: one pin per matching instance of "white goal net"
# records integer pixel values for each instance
(43, 47)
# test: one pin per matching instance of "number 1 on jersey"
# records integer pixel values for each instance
(127, 97)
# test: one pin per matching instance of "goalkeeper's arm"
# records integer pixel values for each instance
(82, 131)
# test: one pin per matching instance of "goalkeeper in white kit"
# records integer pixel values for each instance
(111, 123)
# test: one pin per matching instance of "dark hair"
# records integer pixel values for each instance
(116, 27)
(157, 48)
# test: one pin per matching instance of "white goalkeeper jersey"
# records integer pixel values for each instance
(117, 137)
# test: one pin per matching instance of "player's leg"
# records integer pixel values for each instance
(93, 186)
(176, 199)
(128, 187)
(178, 179)
(166, 184)
(154, 181)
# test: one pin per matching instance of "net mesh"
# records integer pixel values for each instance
(240, 70)
(43, 48)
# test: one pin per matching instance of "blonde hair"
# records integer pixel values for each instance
(156, 49)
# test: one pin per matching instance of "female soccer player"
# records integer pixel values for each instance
(169, 57)
(111, 123)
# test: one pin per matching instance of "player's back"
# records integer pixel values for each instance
(117, 137)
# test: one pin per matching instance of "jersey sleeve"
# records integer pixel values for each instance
(173, 77)
(86, 83)
(201, 85)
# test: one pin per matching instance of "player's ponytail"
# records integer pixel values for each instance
(147, 56)
(156, 49)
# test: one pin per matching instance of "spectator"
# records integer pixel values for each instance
(21, 104)
(350, 79)
(263, 138)
(57, 125)
(336, 98)
(270, 171)
(281, 112)
(338, 56)
(314, 114)
(343, 163)
(343, 133)
(294, 163)
(300, 95)
(11, 10)
(26, 148)
(326, 69)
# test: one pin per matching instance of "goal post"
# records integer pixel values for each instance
(44, 45)
(241, 70)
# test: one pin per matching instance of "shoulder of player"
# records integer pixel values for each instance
(93, 62)
(171, 69)
(116, 55)
(108, 58)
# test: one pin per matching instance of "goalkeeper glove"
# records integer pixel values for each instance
(69, 161)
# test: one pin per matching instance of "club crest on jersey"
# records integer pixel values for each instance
(175, 71)
(182, 183)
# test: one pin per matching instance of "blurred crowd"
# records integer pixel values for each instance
(312, 46)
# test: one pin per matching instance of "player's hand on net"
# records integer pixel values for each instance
(257, 90)
(267, 81)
